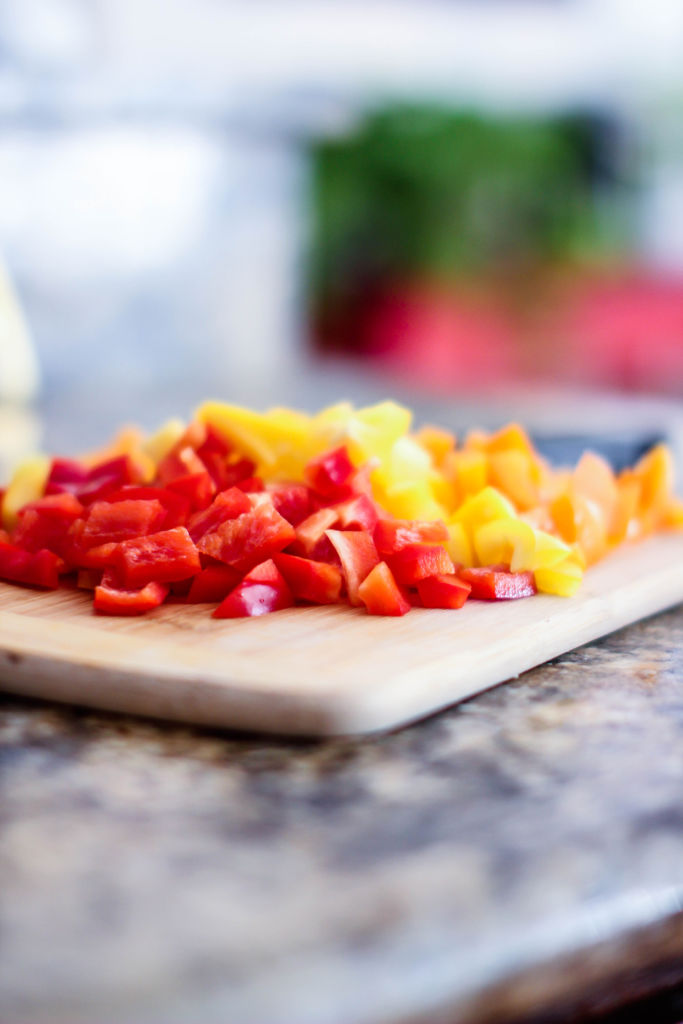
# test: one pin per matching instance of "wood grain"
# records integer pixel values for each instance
(314, 671)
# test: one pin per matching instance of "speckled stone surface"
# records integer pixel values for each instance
(519, 857)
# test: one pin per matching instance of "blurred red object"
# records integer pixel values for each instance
(620, 331)
(440, 338)
(627, 333)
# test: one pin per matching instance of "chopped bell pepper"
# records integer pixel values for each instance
(416, 562)
(33, 568)
(227, 505)
(248, 539)
(497, 583)
(381, 594)
(443, 591)
(318, 582)
(262, 590)
(358, 556)
(162, 557)
(111, 598)
(212, 584)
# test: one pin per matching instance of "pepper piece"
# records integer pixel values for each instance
(443, 591)
(381, 594)
(34, 568)
(262, 590)
(496, 583)
(212, 584)
(417, 561)
(163, 557)
(250, 538)
(111, 598)
(309, 580)
(358, 556)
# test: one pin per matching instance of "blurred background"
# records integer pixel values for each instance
(477, 207)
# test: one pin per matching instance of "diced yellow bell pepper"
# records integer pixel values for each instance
(160, 443)
(410, 500)
(27, 484)
(372, 432)
(262, 437)
(240, 427)
(389, 419)
(482, 508)
(409, 459)
(505, 540)
(330, 423)
(520, 545)
(458, 545)
(443, 489)
(550, 551)
(563, 579)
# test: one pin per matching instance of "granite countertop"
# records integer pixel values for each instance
(519, 857)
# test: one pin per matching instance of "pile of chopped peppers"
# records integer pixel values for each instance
(254, 512)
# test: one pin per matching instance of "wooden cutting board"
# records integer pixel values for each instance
(314, 671)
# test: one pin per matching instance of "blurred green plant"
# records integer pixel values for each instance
(420, 192)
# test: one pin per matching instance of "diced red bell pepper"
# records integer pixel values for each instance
(226, 505)
(101, 557)
(164, 557)
(361, 480)
(65, 476)
(106, 477)
(215, 444)
(262, 590)
(443, 591)
(251, 485)
(34, 568)
(358, 556)
(58, 506)
(311, 541)
(198, 489)
(329, 474)
(226, 471)
(392, 535)
(184, 473)
(260, 499)
(358, 513)
(176, 506)
(180, 462)
(45, 523)
(292, 501)
(212, 584)
(111, 598)
(493, 583)
(308, 580)
(107, 522)
(249, 539)
(415, 562)
(84, 556)
(381, 594)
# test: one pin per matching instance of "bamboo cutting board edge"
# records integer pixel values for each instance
(322, 671)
